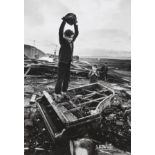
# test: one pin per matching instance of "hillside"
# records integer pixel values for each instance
(33, 52)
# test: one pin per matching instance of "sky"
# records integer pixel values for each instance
(104, 25)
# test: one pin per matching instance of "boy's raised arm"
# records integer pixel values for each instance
(61, 31)
(76, 31)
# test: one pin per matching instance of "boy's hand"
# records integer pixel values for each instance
(70, 18)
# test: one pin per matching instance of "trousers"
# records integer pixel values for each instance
(63, 77)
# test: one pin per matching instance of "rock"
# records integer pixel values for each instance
(28, 123)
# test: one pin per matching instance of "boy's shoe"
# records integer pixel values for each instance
(57, 97)
(65, 96)
(64, 93)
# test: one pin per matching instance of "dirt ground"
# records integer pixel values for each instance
(38, 143)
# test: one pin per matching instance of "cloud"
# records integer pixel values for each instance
(105, 53)
(33, 14)
(102, 23)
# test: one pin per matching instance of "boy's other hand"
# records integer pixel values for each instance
(70, 18)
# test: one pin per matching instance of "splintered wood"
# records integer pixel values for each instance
(81, 102)
(35, 68)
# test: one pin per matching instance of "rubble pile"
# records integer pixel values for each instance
(44, 68)
(39, 67)
(114, 130)
(35, 134)
(116, 122)
(115, 127)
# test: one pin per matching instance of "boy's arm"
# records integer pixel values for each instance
(76, 32)
(61, 31)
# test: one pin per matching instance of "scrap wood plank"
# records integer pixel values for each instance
(28, 70)
(50, 127)
(87, 90)
(88, 102)
(72, 110)
(54, 106)
(88, 97)
(66, 103)
(86, 85)
(105, 103)
(33, 99)
(62, 104)
(75, 108)
(107, 89)
(83, 104)
(36, 76)
(92, 94)
(46, 82)
(78, 109)
(72, 103)
(69, 115)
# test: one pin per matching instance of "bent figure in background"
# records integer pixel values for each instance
(93, 74)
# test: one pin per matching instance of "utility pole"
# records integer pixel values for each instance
(34, 43)
(36, 55)
(55, 51)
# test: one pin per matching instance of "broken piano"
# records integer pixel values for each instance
(77, 113)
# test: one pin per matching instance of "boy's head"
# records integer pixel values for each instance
(68, 34)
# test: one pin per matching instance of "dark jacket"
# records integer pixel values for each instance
(66, 48)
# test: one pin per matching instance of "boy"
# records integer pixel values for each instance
(93, 74)
(66, 40)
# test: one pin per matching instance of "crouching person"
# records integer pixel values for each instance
(94, 74)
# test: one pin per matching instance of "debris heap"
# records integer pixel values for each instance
(43, 68)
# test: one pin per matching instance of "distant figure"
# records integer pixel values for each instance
(93, 74)
(104, 72)
(54, 56)
(66, 40)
